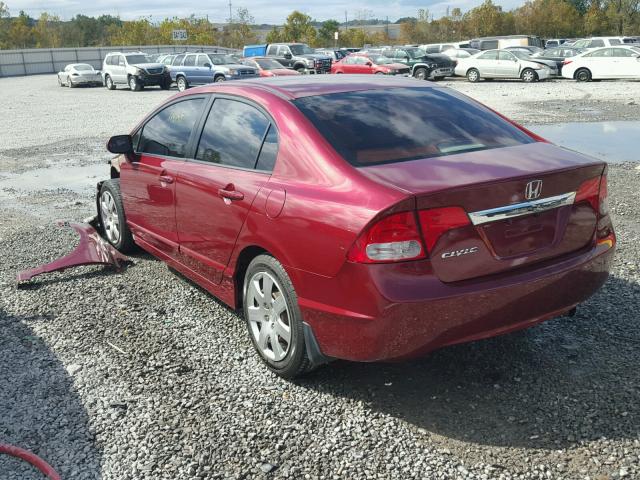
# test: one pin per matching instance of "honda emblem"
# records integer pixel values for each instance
(533, 190)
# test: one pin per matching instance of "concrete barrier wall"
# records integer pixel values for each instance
(52, 60)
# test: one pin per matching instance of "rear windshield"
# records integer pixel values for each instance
(399, 124)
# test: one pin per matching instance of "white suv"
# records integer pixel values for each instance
(133, 69)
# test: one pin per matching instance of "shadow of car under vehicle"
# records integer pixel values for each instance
(548, 387)
(39, 408)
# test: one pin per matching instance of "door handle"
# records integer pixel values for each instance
(230, 194)
(166, 179)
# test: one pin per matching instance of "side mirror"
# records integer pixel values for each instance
(208, 65)
(369, 64)
(120, 144)
(287, 56)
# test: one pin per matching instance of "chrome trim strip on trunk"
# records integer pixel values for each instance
(520, 209)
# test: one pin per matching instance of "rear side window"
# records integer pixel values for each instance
(168, 132)
(394, 125)
(269, 151)
(233, 134)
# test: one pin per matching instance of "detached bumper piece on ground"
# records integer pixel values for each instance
(92, 250)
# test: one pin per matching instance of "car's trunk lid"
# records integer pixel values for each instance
(483, 181)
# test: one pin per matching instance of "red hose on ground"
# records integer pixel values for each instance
(33, 459)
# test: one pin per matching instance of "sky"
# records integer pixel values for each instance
(264, 11)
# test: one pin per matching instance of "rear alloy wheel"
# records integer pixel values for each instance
(134, 85)
(421, 73)
(473, 75)
(273, 317)
(529, 75)
(583, 75)
(182, 84)
(109, 83)
(112, 218)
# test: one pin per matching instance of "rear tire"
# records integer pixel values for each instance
(583, 75)
(529, 75)
(112, 217)
(273, 317)
(473, 75)
(108, 83)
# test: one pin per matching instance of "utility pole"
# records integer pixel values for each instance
(387, 26)
(230, 13)
(346, 22)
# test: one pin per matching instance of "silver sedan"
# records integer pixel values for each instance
(79, 74)
(505, 64)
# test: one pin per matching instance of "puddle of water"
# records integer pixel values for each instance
(610, 141)
(74, 178)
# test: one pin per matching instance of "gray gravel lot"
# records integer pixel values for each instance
(142, 375)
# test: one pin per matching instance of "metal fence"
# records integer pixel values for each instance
(35, 61)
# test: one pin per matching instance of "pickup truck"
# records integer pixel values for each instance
(424, 66)
(188, 69)
(292, 55)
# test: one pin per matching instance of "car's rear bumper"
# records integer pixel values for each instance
(388, 312)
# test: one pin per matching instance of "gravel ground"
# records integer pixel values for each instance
(142, 375)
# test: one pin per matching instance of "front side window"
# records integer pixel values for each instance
(232, 134)
(399, 124)
(168, 132)
(137, 59)
(301, 50)
(623, 52)
(178, 60)
(506, 56)
(121, 62)
(203, 60)
(273, 50)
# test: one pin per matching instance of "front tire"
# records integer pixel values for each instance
(473, 75)
(529, 75)
(421, 73)
(134, 84)
(108, 83)
(60, 82)
(583, 75)
(182, 84)
(70, 83)
(112, 217)
(220, 78)
(273, 317)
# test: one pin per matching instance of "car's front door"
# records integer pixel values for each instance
(205, 65)
(147, 180)
(600, 63)
(625, 63)
(507, 65)
(215, 191)
(285, 56)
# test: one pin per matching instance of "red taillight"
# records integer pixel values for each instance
(436, 221)
(391, 239)
(594, 191)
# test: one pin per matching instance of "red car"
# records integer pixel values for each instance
(268, 67)
(369, 64)
(360, 218)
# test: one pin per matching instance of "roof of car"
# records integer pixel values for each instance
(299, 86)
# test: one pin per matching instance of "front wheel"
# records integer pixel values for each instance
(583, 75)
(473, 75)
(529, 75)
(112, 217)
(273, 317)
(182, 84)
(421, 73)
(60, 82)
(220, 78)
(166, 85)
(134, 84)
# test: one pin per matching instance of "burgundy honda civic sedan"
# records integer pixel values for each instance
(360, 218)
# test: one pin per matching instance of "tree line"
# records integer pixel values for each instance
(546, 18)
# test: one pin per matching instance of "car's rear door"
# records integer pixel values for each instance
(215, 191)
(148, 180)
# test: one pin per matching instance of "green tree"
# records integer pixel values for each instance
(240, 31)
(298, 28)
(327, 31)
(47, 31)
(20, 34)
